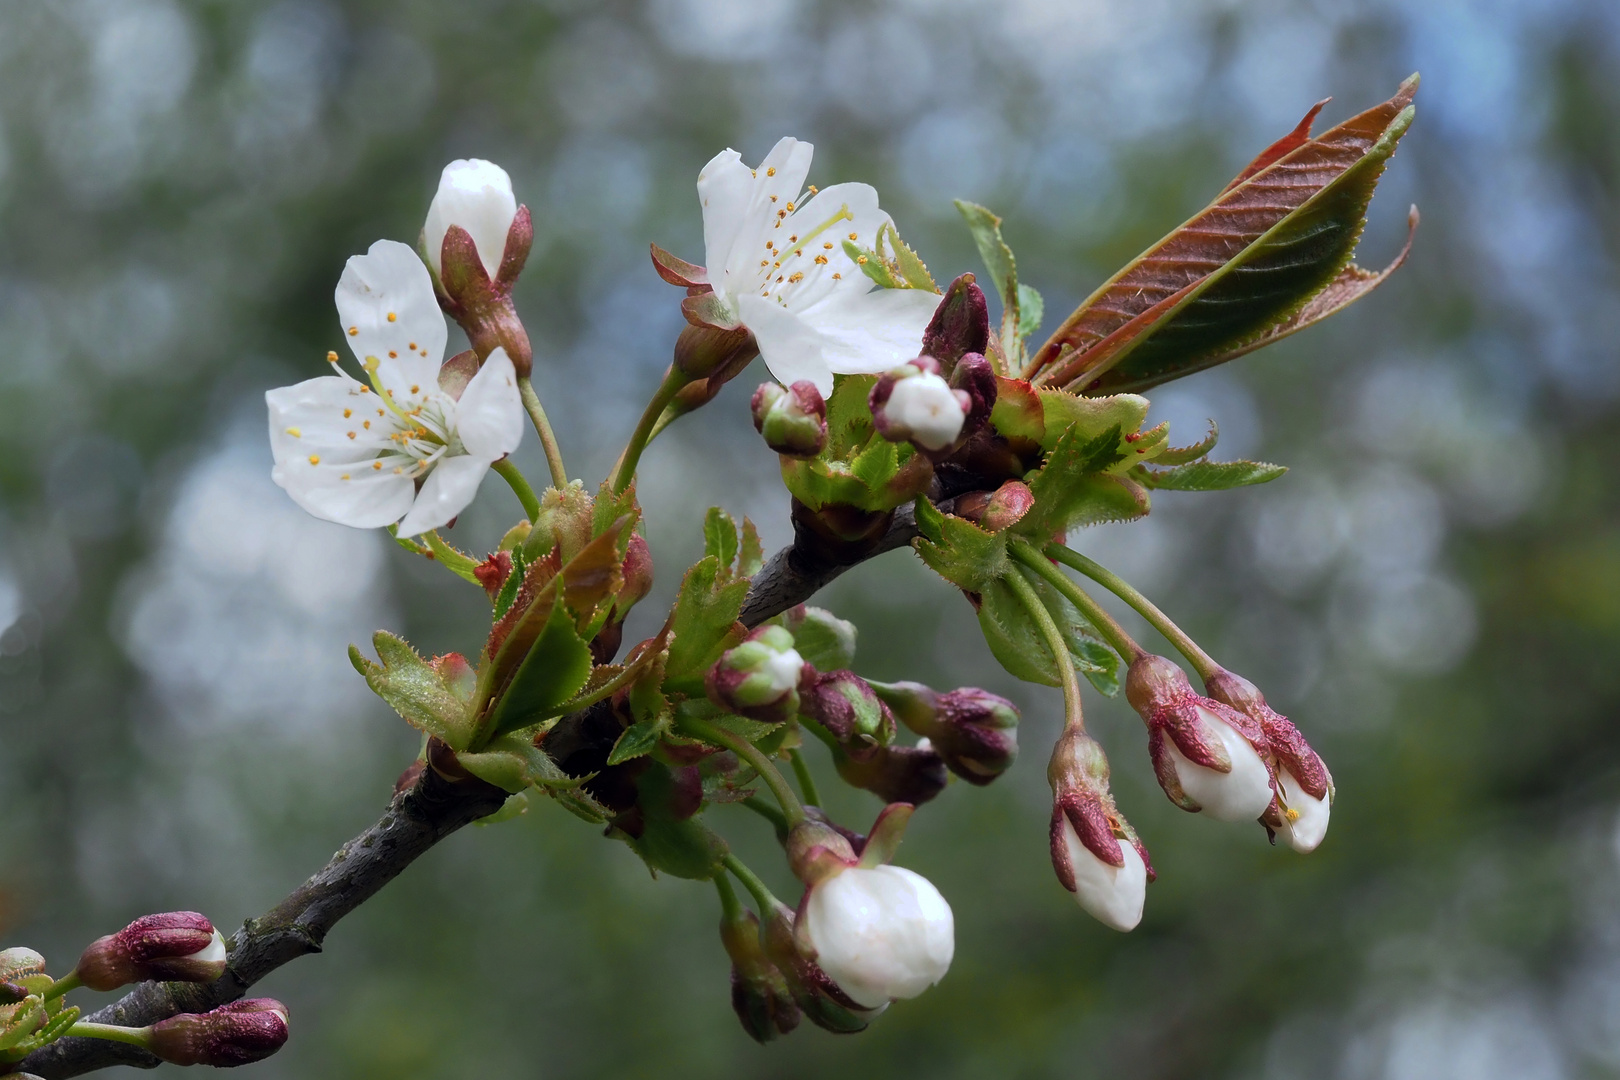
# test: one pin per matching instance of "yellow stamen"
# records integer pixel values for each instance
(392, 317)
(314, 459)
(798, 245)
(295, 433)
(771, 171)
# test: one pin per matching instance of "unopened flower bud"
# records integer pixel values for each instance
(760, 678)
(846, 705)
(973, 730)
(914, 403)
(1304, 787)
(637, 574)
(814, 991)
(961, 324)
(18, 963)
(759, 992)
(236, 1034)
(822, 638)
(793, 419)
(882, 933)
(1204, 753)
(977, 379)
(175, 946)
(995, 511)
(1095, 851)
(908, 774)
(477, 196)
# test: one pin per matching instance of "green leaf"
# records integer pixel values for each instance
(1183, 455)
(515, 806)
(998, 260)
(427, 700)
(1073, 489)
(877, 464)
(556, 667)
(1031, 310)
(1087, 418)
(638, 740)
(704, 624)
(930, 521)
(457, 562)
(849, 419)
(751, 556)
(720, 538)
(1241, 270)
(1210, 475)
(1100, 664)
(965, 555)
(1018, 644)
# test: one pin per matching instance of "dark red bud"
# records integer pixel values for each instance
(961, 323)
(236, 1034)
(176, 946)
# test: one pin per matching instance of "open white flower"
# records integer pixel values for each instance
(368, 454)
(1239, 795)
(476, 195)
(881, 933)
(776, 261)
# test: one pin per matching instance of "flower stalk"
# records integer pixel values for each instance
(548, 438)
(1105, 623)
(520, 487)
(674, 379)
(717, 736)
(1073, 714)
(1197, 657)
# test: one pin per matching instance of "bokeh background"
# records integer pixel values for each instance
(1433, 591)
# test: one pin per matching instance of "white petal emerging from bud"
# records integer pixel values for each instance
(1240, 795)
(783, 669)
(926, 405)
(1305, 820)
(212, 953)
(476, 195)
(881, 933)
(1113, 895)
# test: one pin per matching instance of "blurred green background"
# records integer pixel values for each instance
(1433, 592)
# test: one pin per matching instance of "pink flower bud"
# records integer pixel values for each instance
(792, 419)
(1206, 754)
(1304, 799)
(177, 946)
(904, 774)
(961, 324)
(760, 678)
(974, 731)
(977, 379)
(914, 403)
(848, 707)
(239, 1033)
(1095, 852)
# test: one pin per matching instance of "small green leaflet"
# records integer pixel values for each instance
(1209, 475)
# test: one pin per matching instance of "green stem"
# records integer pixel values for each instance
(730, 910)
(1073, 716)
(140, 1037)
(768, 812)
(626, 468)
(762, 896)
(520, 487)
(750, 753)
(548, 438)
(61, 986)
(1111, 631)
(1123, 589)
(807, 783)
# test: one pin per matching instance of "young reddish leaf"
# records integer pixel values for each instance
(1281, 148)
(1250, 260)
(677, 271)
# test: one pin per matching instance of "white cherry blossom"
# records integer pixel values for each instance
(776, 261)
(476, 195)
(927, 407)
(1113, 895)
(397, 448)
(1240, 795)
(881, 933)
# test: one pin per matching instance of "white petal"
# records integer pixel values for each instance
(791, 347)
(308, 418)
(489, 416)
(477, 195)
(448, 490)
(212, 953)
(391, 280)
(881, 933)
(926, 406)
(777, 183)
(1240, 795)
(354, 494)
(1113, 895)
(784, 669)
(872, 331)
(724, 187)
(1306, 831)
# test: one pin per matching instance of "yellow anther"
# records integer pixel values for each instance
(764, 262)
(769, 244)
(814, 189)
(354, 331)
(366, 425)
(799, 276)
(295, 432)
(852, 236)
(416, 389)
(771, 171)
(331, 357)
(314, 459)
(773, 198)
(838, 277)
(861, 260)
(351, 434)
(792, 239)
(821, 259)
(347, 413)
(790, 206)
(392, 355)
(392, 317)
(827, 246)
(377, 465)
(1291, 814)
(412, 346)
(345, 476)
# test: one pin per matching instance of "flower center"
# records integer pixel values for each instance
(781, 279)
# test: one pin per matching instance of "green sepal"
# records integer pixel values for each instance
(515, 806)
(1073, 487)
(964, 554)
(682, 847)
(720, 537)
(1186, 455)
(457, 562)
(639, 739)
(435, 698)
(509, 588)
(1209, 475)
(514, 537)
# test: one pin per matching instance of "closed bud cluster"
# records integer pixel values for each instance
(760, 678)
(913, 403)
(1304, 797)
(1095, 851)
(236, 1034)
(759, 991)
(792, 419)
(1206, 754)
(175, 946)
(476, 239)
(974, 731)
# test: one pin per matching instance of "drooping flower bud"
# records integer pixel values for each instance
(814, 991)
(175, 946)
(239, 1033)
(973, 730)
(760, 678)
(914, 403)
(1204, 753)
(476, 196)
(909, 774)
(848, 707)
(793, 419)
(977, 379)
(961, 324)
(1304, 787)
(759, 991)
(1095, 851)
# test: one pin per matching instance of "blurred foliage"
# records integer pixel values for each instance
(1431, 592)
